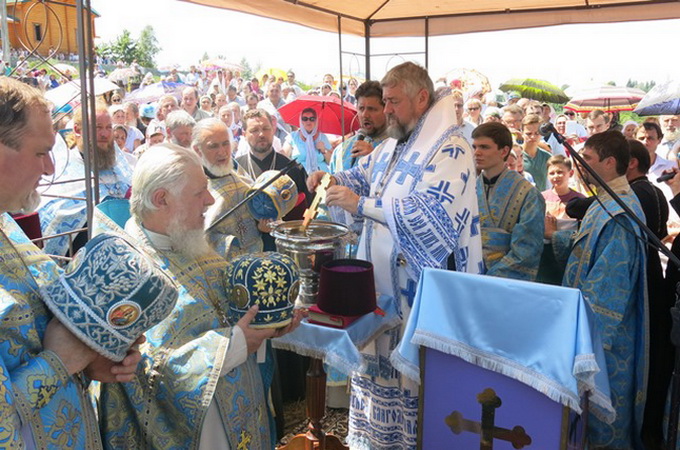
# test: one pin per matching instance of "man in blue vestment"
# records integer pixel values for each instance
(607, 263)
(511, 209)
(42, 401)
(199, 386)
(64, 208)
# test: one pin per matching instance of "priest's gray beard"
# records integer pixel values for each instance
(189, 243)
(219, 170)
(398, 130)
(29, 204)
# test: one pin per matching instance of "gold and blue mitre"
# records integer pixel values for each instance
(268, 279)
(110, 294)
(276, 200)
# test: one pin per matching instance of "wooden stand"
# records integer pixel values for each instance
(315, 438)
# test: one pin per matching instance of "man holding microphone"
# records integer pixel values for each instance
(371, 117)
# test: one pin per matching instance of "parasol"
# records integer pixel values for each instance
(661, 100)
(535, 89)
(605, 98)
(122, 75)
(468, 80)
(154, 91)
(65, 69)
(69, 93)
(328, 109)
(219, 63)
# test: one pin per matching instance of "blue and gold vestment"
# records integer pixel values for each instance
(179, 377)
(39, 400)
(607, 263)
(237, 234)
(512, 215)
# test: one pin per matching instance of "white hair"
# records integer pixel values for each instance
(203, 127)
(163, 166)
(179, 118)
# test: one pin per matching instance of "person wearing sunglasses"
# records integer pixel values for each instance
(307, 145)
(473, 111)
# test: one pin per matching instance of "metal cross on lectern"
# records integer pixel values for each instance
(486, 428)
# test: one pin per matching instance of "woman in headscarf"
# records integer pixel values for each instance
(308, 146)
(629, 128)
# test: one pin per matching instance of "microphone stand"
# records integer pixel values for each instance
(547, 129)
(284, 170)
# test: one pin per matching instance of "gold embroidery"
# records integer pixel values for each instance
(41, 388)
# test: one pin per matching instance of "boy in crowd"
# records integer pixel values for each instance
(556, 198)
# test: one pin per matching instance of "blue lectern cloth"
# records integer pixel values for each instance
(537, 334)
(339, 348)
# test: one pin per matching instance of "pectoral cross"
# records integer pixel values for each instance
(486, 429)
(313, 210)
(245, 441)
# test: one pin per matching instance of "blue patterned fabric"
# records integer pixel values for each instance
(62, 215)
(276, 200)
(35, 388)
(555, 348)
(270, 280)
(180, 373)
(339, 347)
(110, 295)
(607, 263)
(342, 155)
(237, 234)
(419, 206)
(512, 216)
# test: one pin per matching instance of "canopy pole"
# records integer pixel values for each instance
(427, 43)
(342, 96)
(367, 43)
(88, 126)
(5, 31)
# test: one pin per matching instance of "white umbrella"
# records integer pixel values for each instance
(66, 69)
(69, 93)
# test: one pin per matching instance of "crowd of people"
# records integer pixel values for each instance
(435, 176)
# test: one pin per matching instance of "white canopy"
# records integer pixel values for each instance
(391, 18)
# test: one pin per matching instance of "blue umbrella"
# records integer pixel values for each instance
(662, 99)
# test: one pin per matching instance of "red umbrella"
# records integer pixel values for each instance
(329, 111)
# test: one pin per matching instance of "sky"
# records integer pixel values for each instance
(574, 55)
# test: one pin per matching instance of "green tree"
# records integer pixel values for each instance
(120, 49)
(644, 85)
(247, 72)
(126, 49)
(147, 47)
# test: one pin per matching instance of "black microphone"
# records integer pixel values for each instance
(361, 135)
(546, 129)
(665, 177)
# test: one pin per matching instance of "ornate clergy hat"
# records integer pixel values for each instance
(276, 200)
(110, 294)
(347, 288)
(268, 279)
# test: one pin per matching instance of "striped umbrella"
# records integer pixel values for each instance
(534, 89)
(605, 98)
